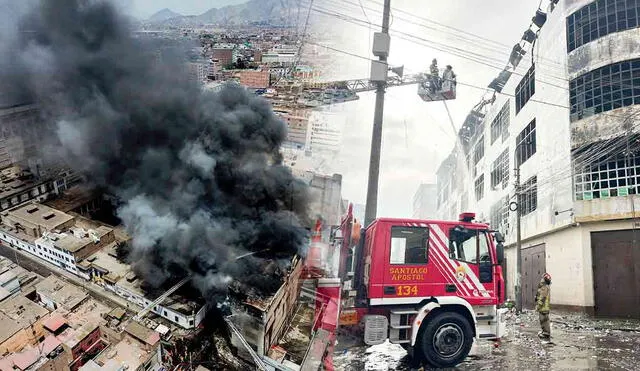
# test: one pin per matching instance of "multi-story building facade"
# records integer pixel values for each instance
(297, 121)
(256, 79)
(424, 202)
(197, 71)
(566, 122)
(52, 235)
(224, 55)
(326, 128)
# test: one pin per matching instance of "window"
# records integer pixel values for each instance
(605, 89)
(499, 214)
(479, 187)
(468, 244)
(526, 142)
(600, 18)
(478, 150)
(610, 176)
(176, 318)
(408, 245)
(528, 196)
(526, 88)
(165, 314)
(500, 124)
(500, 170)
(190, 322)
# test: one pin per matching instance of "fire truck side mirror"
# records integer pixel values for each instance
(499, 238)
(500, 253)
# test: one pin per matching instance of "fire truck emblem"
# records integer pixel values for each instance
(461, 274)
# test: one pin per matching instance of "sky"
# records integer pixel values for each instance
(144, 8)
(417, 136)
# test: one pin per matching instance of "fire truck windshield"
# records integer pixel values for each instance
(469, 245)
(408, 245)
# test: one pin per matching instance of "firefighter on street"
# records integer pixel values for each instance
(543, 296)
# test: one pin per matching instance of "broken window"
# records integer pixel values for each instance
(478, 151)
(528, 201)
(610, 176)
(500, 124)
(526, 88)
(500, 170)
(500, 214)
(526, 142)
(601, 18)
(479, 187)
(604, 89)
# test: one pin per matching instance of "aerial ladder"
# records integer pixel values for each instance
(160, 299)
(431, 88)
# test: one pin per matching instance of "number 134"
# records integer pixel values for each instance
(407, 290)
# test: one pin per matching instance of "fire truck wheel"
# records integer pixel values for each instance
(446, 340)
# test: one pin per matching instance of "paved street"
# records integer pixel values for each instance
(580, 344)
(44, 269)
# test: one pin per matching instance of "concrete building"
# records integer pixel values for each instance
(224, 55)
(297, 121)
(21, 321)
(15, 279)
(18, 186)
(18, 134)
(424, 202)
(52, 235)
(106, 270)
(53, 293)
(82, 343)
(139, 350)
(254, 79)
(326, 128)
(197, 71)
(281, 54)
(327, 197)
(569, 128)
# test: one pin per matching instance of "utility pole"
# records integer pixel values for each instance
(382, 51)
(518, 238)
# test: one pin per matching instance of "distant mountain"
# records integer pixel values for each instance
(273, 11)
(163, 15)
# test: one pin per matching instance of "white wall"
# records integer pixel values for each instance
(551, 163)
(40, 253)
(568, 260)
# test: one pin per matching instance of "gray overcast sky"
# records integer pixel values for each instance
(145, 8)
(417, 136)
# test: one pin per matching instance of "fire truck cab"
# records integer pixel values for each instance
(432, 286)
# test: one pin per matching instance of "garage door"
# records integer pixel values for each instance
(616, 271)
(533, 267)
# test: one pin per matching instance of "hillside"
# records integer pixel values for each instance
(272, 11)
(164, 15)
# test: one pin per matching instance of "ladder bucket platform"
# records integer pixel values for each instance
(429, 93)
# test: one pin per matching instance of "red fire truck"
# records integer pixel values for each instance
(432, 286)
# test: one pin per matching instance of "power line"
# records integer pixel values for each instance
(469, 84)
(498, 48)
(471, 56)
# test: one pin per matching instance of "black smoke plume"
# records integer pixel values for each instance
(198, 174)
